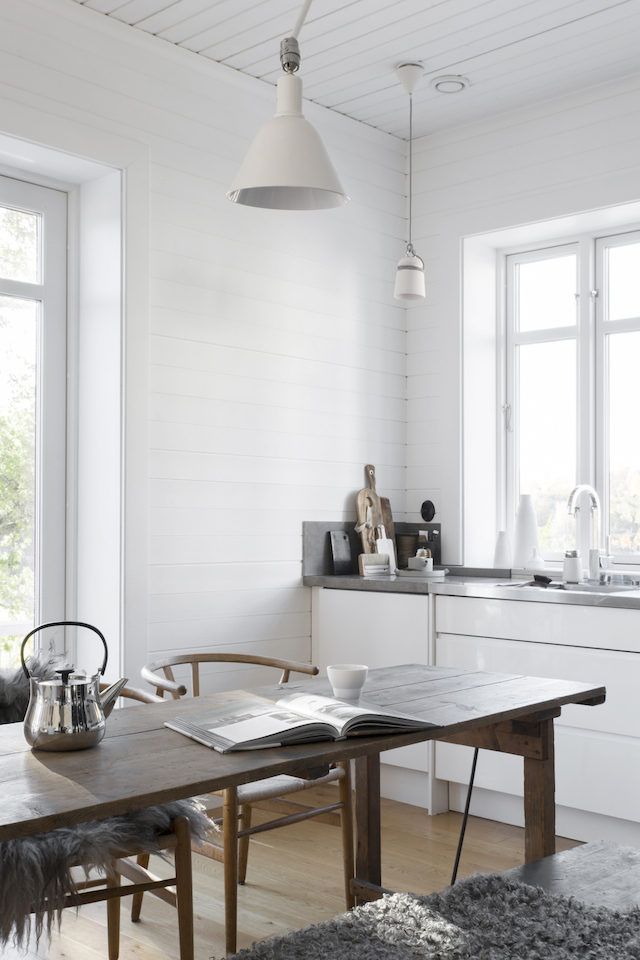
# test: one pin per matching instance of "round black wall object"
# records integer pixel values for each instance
(428, 511)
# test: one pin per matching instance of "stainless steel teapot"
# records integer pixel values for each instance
(68, 712)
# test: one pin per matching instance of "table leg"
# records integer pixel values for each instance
(539, 799)
(368, 857)
(230, 840)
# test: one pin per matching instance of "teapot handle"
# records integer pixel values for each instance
(63, 623)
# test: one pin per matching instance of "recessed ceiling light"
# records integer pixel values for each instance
(450, 83)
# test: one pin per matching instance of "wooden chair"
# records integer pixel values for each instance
(176, 890)
(238, 803)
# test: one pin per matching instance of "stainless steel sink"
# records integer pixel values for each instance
(591, 587)
(602, 588)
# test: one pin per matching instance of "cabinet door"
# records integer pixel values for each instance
(570, 625)
(597, 748)
(379, 629)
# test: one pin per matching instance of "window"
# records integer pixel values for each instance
(572, 352)
(617, 367)
(32, 408)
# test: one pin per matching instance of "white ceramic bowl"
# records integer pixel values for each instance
(347, 679)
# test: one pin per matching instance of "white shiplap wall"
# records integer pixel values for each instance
(558, 158)
(276, 351)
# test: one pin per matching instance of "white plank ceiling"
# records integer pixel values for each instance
(514, 52)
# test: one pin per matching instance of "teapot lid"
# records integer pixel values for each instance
(68, 677)
(74, 681)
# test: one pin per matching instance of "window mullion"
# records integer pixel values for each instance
(630, 325)
(545, 336)
(586, 403)
(22, 290)
(509, 407)
(601, 441)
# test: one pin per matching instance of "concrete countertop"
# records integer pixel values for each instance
(488, 588)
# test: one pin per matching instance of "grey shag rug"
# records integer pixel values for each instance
(484, 918)
(35, 872)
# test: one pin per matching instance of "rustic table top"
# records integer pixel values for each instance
(140, 762)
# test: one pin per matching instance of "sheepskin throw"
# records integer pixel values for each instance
(484, 918)
(35, 872)
(14, 687)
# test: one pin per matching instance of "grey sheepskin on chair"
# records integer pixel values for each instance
(14, 687)
(35, 872)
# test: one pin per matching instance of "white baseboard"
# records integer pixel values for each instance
(570, 823)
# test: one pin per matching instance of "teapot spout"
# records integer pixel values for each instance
(109, 696)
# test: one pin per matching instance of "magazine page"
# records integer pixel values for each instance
(352, 718)
(251, 723)
(325, 709)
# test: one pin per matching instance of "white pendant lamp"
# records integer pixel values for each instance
(410, 283)
(287, 166)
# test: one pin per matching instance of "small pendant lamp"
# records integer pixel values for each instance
(410, 283)
(287, 166)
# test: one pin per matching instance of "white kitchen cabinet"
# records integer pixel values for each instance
(379, 629)
(597, 748)
(567, 624)
(618, 671)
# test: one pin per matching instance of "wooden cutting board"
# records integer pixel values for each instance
(387, 519)
(368, 501)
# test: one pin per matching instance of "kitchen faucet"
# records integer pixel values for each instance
(595, 536)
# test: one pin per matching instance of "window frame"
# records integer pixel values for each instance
(603, 328)
(51, 389)
(591, 329)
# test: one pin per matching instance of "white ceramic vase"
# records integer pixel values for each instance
(525, 539)
(503, 555)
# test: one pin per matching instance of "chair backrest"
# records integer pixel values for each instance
(135, 693)
(159, 673)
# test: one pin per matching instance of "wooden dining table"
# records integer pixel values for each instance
(141, 762)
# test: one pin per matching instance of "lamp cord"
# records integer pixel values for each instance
(301, 19)
(410, 244)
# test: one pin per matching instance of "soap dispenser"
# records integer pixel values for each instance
(572, 568)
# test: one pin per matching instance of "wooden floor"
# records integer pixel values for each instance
(294, 879)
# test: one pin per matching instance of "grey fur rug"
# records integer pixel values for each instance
(35, 872)
(484, 918)
(14, 686)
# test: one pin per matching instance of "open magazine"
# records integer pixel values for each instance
(257, 723)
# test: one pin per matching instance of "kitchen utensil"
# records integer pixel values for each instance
(428, 511)
(385, 545)
(387, 522)
(341, 552)
(368, 511)
(68, 713)
(347, 679)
